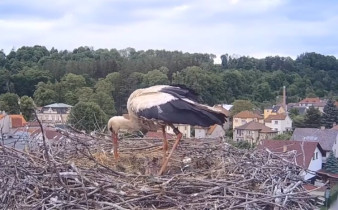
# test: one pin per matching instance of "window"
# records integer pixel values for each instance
(236, 120)
(276, 122)
(243, 121)
(316, 155)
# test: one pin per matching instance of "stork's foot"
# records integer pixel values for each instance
(115, 153)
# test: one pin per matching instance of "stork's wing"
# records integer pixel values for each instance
(174, 105)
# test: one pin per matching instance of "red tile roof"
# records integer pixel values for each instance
(256, 126)
(248, 114)
(51, 134)
(305, 150)
(310, 100)
(275, 117)
(17, 120)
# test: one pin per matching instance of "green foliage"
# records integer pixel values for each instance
(241, 105)
(330, 114)
(118, 72)
(298, 122)
(87, 116)
(105, 102)
(293, 113)
(27, 107)
(9, 103)
(242, 144)
(312, 118)
(331, 163)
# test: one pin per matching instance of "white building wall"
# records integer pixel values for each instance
(5, 124)
(314, 165)
(335, 147)
(200, 133)
(184, 129)
(218, 132)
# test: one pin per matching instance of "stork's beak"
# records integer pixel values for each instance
(116, 145)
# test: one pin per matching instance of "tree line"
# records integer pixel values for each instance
(106, 77)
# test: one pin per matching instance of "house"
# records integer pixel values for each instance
(8, 123)
(54, 113)
(244, 117)
(52, 137)
(301, 109)
(279, 122)
(253, 132)
(184, 129)
(225, 111)
(309, 155)
(4, 123)
(315, 102)
(274, 110)
(213, 131)
(327, 138)
(157, 135)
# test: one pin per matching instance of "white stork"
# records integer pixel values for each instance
(157, 106)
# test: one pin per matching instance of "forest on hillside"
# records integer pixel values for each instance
(106, 77)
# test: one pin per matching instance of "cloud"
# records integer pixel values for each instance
(244, 27)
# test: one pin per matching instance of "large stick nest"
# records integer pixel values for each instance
(81, 173)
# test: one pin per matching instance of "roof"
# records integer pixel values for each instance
(275, 108)
(17, 120)
(223, 110)
(326, 137)
(211, 129)
(248, 114)
(256, 126)
(305, 150)
(51, 134)
(58, 105)
(153, 134)
(275, 117)
(310, 100)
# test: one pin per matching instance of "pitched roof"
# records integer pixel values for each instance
(256, 126)
(17, 120)
(325, 137)
(275, 117)
(310, 100)
(211, 129)
(248, 114)
(305, 150)
(223, 110)
(275, 108)
(58, 105)
(51, 134)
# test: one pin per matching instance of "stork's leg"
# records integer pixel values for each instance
(116, 145)
(165, 163)
(165, 142)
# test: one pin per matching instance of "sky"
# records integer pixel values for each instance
(255, 28)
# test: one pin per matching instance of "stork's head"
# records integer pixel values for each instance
(114, 124)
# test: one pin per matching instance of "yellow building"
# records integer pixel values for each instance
(245, 117)
(274, 110)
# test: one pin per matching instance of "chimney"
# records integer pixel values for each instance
(284, 98)
(285, 148)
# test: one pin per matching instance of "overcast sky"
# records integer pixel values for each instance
(255, 28)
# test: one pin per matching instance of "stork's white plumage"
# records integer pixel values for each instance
(157, 106)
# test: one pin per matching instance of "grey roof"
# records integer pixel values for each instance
(275, 108)
(58, 105)
(325, 137)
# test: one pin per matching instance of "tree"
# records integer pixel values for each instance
(241, 105)
(330, 114)
(44, 94)
(298, 122)
(87, 116)
(331, 163)
(10, 104)
(27, 107)
(105, 102)
(293, 112)
(155, 77)
(312, 118)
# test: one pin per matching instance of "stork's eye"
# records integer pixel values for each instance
(111, 129)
